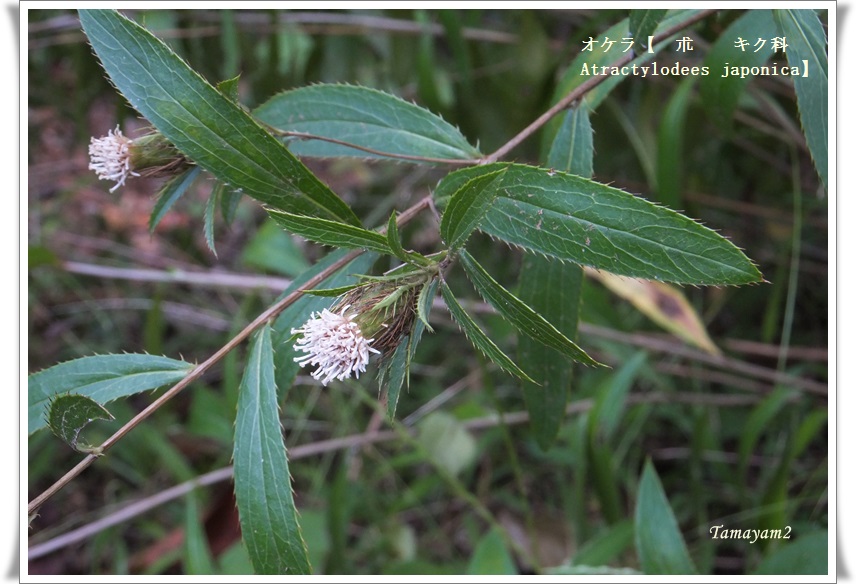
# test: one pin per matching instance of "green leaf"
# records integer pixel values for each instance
(551, 288)
(38, 255)
(398, 365)
(210, 209)
(808, 554)
(273, 249)
(491, 557)
(364, 117)
(425, 302)
(262, 481)
(331, 232)
(659, 543)
(69, 414)
(229, 199)
(229, 87)
(477, 337)
(670, 145)
(197, 555)
(394, 239)
(605, 546)
(807, 42)
(468, 203)
(172, 192)
(331, 292)
(519, 314)
(808, 429)
(573, 147)
(102, 378)
(758, 422)
(643, 23)
(202, 123)
(605, 416)
(720, 94)
(575, 219)
(398, 368)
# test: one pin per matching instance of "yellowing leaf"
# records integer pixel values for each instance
(663, 303)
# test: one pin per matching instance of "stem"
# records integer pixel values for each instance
(200, 369)
(581, 90)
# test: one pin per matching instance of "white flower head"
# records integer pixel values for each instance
(110, 157)
(335, 343)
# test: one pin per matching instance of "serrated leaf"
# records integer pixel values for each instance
(172, 192)
(103, 378)
(670, 145)
(332, 233)
(210, 209)
(477, 337)
(425, 301)
(720, 94)
(262, 481)
(331, 292)
(519, 314)
(229, 199)
(69, 414)
(398, 369)
(398, 365)
(585, 222)
(659, 543)
(394, 239)
(197, 555)
(663, 303)
(552, 288)
(202, 123)
(364, 117)
(573, 147)
(467, 206)
(807, 42)
(229, 87)
(643, 23)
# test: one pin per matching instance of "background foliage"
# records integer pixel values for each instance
(738, 440)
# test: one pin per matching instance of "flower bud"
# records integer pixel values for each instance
(371, 318)
(116, 157)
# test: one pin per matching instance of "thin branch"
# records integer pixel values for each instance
(141, 506)
(200, 369)
(306, 136)
(223, 279)
(582, 89)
